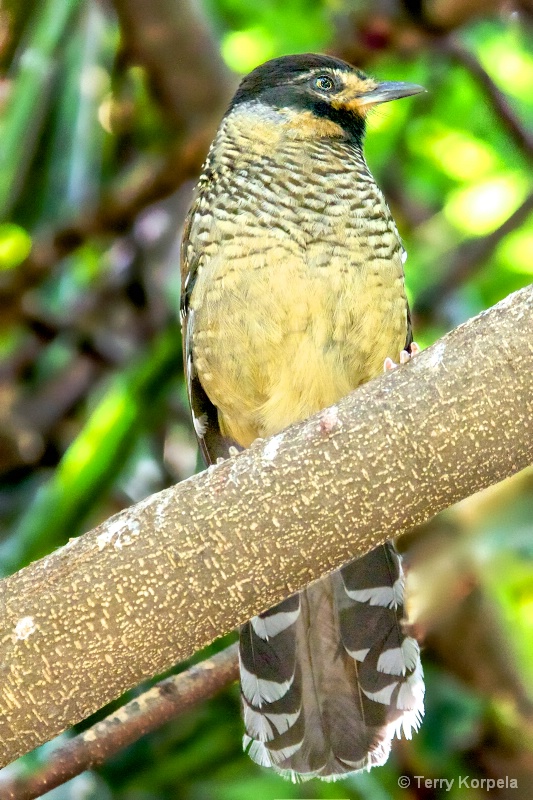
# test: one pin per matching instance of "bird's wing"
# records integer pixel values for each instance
(409, 338)
(213, 444)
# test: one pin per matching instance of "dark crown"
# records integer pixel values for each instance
(284, 70)
(285, 82)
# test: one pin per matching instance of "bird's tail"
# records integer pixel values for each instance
(328, 677)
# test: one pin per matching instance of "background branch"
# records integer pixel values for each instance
(191, 84)
(155, 583)
(145, 713)
(500, 103)
(173, 41)
(114, 214)
(469, 257)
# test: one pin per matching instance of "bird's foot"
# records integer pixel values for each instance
(405, 356)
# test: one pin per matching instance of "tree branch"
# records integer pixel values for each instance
(145, 713)
(173, 41)
(157, 582)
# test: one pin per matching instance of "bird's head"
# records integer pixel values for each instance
(316, 95)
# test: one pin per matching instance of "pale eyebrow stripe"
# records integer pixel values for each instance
(321, 71)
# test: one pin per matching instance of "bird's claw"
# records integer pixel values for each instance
(405, 356)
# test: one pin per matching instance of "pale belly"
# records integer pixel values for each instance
(274, 344)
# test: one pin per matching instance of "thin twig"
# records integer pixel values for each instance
(147, 712)
(503, 109)
(114, 214)
(468, 258)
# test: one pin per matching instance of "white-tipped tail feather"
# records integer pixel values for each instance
(328, 677)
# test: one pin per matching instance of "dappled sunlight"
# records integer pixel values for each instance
(457, 153)
(480, 208)
(15, 245)
(244, 50)
(516, 251)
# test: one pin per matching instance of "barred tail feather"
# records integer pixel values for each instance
(328, 677)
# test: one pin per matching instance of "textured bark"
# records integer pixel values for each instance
(157, 582)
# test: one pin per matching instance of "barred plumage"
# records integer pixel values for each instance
(292, 296)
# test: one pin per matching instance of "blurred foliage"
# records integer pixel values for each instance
(92, 404)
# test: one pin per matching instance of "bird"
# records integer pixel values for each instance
(292, 296)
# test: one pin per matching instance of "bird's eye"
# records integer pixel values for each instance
(324, 83)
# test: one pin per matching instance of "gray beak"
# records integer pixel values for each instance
(390, 90)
